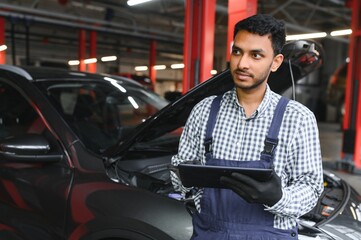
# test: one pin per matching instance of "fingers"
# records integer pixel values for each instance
(236, 187)
(253, 191)
(245, 179)
(241, 193)
(227, 181)
(234, 183)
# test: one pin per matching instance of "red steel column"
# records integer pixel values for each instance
(198, 48)
(238, 10)
(207, 39)
(2, 40)
(186, 46)
(352, 120)
(152, 59)
(82, 49)
(92, 67)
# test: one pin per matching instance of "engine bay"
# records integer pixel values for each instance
(153, 174)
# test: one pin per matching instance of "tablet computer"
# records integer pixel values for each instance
(193, 175)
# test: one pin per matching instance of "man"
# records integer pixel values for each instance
(250, 208)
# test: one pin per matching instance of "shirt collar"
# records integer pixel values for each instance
(261, 108)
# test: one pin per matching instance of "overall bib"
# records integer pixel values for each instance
(225, 215)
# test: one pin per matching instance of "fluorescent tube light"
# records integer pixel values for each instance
(341, 32)
(177, 66)
(306, 36)
(90, 60)
(160, 67)
(141, 68)
(3, 47)
(73, 62)
(108, 58)
(135, 2)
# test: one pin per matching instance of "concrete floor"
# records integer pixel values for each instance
(331, 147)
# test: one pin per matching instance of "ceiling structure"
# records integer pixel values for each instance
(51, 26)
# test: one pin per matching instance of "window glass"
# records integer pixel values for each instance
(102, 113)
(17, 116)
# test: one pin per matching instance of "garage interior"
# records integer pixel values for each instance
(55, 32)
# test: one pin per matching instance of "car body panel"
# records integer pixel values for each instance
(31, 190)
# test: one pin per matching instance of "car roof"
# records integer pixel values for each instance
(33, 73)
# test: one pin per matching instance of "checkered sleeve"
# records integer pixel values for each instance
(191, 141)
(304, 183)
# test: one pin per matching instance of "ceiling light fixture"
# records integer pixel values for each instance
(73, 62)
(90, 60)
(108, 58)
(3, 47)
(177, 66)
(159, 67)
(135, 2)
(306, 36)
(341, 32)
(141, 68)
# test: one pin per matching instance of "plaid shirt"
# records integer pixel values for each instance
(235, 137)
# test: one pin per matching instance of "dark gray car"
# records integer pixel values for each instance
(86, 156)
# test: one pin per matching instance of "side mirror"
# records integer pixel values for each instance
(29, 148)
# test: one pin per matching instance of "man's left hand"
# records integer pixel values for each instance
(253, 191)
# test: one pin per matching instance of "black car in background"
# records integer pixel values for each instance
(87, 156)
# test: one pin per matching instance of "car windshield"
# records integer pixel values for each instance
(102, 113)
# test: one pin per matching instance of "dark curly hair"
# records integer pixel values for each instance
(263, 24)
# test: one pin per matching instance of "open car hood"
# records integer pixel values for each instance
(304, 57)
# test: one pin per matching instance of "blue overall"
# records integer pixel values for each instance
(225, 215)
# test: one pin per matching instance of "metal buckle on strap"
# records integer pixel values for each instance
(208, 145)
(269, 146)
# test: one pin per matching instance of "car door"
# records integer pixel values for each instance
(34, 183)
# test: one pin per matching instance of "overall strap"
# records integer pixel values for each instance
(211, 122)
(271, 140)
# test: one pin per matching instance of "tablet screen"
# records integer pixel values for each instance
(209, 176)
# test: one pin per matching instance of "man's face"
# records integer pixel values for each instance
(252, 60)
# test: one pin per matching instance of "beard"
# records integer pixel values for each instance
(257, 81)
(254, 85)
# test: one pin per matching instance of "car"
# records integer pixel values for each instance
(143, 79)
(87, 156)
